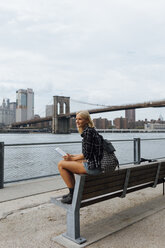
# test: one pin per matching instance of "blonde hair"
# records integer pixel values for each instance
(85, 115)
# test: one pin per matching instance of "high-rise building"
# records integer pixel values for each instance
(49, 110)
(130, 115)
(7, 112)
(24, 105)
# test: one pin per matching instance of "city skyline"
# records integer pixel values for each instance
(23, 109)
(109, 115)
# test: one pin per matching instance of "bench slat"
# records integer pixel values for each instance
(101, 192)
(117, 177)
(113, 195)
(137, 171)
(117, 180)
(137, 177)
(105, 182)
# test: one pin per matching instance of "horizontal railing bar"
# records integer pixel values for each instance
(122, 140)
(31, 178)
(55, 143)
(139, 164)
(47, 143)
(140, 139)
(154, 139)
(75, 142)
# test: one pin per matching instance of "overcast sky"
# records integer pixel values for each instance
(107, 52)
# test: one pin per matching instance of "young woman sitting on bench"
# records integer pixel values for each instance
(89, 162)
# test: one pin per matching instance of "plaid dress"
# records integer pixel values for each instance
(92, 147)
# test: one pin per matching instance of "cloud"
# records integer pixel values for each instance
(108, 52)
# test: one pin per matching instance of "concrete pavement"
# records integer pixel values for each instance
(29, 220)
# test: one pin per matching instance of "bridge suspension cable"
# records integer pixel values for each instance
(93, 104)
(42, 111)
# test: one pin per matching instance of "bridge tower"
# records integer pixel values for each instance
(61, 124)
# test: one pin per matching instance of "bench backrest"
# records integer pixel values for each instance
(122, 181)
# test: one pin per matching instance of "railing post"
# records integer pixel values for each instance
(137, 151)
(1, 165)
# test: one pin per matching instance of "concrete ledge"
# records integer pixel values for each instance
(13, 191)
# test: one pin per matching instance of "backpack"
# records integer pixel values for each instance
(104, 152)
(109, 160)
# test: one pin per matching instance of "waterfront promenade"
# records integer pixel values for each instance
(29, 220)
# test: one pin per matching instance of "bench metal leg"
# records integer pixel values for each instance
(157, 175)
(73, 213)
(163, 185)
(137, 150)
(73, 227)
(126, 183)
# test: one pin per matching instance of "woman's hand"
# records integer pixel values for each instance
(70, 157)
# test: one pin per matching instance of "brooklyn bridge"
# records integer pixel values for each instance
(60, 120)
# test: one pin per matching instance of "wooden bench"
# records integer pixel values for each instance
(93, 189)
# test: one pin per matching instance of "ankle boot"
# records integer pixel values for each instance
(70, 192)
(67, 199)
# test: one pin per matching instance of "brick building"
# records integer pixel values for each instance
(120, 123)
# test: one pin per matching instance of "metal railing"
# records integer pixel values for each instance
(19, 162)
(1, 164)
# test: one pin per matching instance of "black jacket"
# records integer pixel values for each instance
(92, 147)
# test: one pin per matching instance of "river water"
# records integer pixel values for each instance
(25, 162)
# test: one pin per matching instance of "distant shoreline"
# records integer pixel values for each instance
(23, 131)
(75, 131)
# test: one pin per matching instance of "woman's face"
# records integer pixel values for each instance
(80, 121)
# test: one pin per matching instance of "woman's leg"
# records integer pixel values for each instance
(67, 170)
